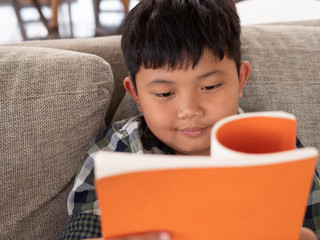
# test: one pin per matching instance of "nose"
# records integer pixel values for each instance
(190, 108)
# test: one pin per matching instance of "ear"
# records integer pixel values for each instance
(244, 73)
(130, 88)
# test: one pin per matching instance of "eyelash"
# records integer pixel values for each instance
(164, 95)
(206, 88)
(212, 87)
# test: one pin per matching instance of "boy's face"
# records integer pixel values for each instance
(181, 106)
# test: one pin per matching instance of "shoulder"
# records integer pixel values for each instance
(127, 126)
(119, 136)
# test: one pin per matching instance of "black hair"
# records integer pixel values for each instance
(174, 33)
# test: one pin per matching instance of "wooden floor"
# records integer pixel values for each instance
(76, 19)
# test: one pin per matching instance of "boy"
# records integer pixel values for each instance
(185, 74)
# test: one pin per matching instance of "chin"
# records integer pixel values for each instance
(197, 152)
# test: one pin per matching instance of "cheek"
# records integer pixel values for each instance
(158, 119)
(231, 105)
(159, 125)
(154, 108)
(232, 96)
(224, 105)
(161, 122)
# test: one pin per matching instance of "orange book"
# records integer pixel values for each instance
(255, 185)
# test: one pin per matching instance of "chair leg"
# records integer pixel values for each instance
(96, 9)
(17, 9)
(101, 31)
(125, 5)
(54, 9)
(70, 19)
(43, 19)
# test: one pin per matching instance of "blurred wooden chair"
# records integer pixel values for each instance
(50, 24)
(18, 5)
(97, 11)
(54, 9)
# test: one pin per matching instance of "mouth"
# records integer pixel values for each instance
(193, 132)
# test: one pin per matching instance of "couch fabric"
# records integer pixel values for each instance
(56, 96)
(52, 105)
(285, 74)
(107, 48)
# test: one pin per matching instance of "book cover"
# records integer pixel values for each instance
(255, 185)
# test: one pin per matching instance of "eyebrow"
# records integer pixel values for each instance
(160, 81)
(168, 82)
(208, 74)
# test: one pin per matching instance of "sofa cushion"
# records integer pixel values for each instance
(52, 105)
(285, 76)
(127, 109)
(107, 47)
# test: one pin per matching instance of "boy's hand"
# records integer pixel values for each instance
(305, 234)
(147, 236)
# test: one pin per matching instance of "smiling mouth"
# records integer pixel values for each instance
(193, 132)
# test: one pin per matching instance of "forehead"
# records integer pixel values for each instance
(180, 59)
(186, 62)
(207, 60)
(208, 65)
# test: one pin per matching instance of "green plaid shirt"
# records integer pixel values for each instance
(134, 136)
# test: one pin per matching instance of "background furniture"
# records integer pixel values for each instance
(18, 7)
(56, 96)
(100, 30)
(50, 24)
(54, 9)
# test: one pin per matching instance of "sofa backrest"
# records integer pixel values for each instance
(53, 104)
(285, 74)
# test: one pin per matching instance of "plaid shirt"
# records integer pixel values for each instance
(134, 136)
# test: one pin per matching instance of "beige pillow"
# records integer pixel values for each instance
(285, 75)
(52, 106)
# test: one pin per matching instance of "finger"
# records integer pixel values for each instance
(307, 234)
(146, 236)
(93, 239)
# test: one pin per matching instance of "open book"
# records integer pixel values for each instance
(255, 185)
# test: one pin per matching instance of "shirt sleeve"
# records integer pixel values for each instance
(312, 216)
(82, 226)
(82, 203)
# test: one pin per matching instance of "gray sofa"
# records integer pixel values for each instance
(56, 96)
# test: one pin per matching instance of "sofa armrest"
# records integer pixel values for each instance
(107, 47)
(52, 105)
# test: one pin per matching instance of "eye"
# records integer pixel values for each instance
(211, 87)
(164, 95)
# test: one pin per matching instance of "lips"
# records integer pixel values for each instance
(193, 132)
